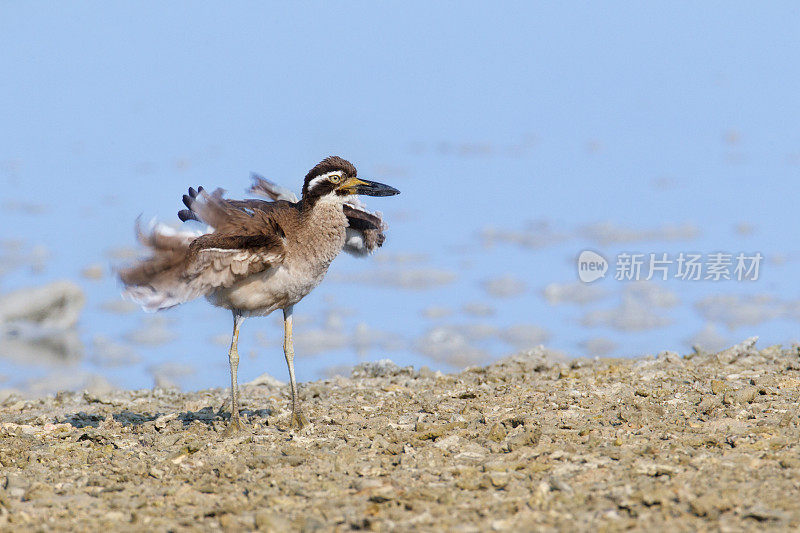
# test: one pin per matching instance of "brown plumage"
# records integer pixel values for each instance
(369, 225)
(258, 256)
(184, 265)
(332, 163)
(365, 229)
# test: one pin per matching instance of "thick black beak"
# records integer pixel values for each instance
(373, 188)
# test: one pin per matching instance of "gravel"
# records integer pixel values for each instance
(696, 442)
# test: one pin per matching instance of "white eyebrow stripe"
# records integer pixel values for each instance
(323, 177)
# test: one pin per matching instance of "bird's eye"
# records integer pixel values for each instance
(335, 178)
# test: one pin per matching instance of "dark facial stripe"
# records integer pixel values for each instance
(329, 164)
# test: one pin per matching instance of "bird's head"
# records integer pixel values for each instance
(335, 178)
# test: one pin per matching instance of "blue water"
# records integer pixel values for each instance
(483, 116)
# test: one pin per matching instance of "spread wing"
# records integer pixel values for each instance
(245, 239)
(219, 260)
(365, 231)
(263, 187)
(236, 217)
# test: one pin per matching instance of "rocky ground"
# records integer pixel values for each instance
(701, 442)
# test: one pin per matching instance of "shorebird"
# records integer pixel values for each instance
(258, 256)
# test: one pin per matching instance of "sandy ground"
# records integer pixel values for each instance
(702, 442)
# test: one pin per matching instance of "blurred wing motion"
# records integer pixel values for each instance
(263, 187)
(243, 238)
(365, 231)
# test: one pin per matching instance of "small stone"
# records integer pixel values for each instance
(449, 443)
(762, 514)
(266, 380)
(227, 522)
(560, 485)
(740, 396)
(38, 490)
(114, 516)
(427, 431)
(718, 386)
(425, 372)
(657, 469)
(654, 496)
(789, 462)
(498, 479)
(733, 353)
(708, 506)
(709, 403)
(788, 419)
(470, 456)
(668, 356)
(379, 369)
(542, 489)
(162, 421)
(468, 481)
(15, 486)
(529, 436)
(497, 433)
(746, 395)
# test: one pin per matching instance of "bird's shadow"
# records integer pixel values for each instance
(206, 415)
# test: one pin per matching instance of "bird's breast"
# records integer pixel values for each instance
(262, 293)
(309, 253)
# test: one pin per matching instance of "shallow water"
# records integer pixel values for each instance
(514, 150)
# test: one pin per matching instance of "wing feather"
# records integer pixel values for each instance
(183, 266)
(365, 233)
(246, 238)
(268, 189)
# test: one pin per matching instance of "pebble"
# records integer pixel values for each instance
(524, 444)
(718, 386)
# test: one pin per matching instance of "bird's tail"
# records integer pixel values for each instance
(157, 282)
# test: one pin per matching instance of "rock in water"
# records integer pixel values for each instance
(55, 306)
(38, 323)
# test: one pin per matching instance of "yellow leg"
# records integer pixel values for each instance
(233, 359)
(288, 351)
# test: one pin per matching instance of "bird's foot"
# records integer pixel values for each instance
(298, 420)
(234, 426)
